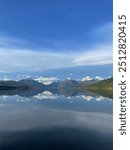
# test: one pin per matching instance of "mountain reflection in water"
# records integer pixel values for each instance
(61, 121)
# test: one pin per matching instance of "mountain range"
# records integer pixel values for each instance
(31, 87)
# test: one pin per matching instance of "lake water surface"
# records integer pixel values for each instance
(55, 122)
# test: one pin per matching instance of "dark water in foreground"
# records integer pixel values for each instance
(48, 122)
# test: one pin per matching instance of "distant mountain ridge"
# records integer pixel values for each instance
(30, 87)
(33, 83)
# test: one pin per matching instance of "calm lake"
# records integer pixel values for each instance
(55, 122)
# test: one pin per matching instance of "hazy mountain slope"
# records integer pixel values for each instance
(104, 87)
(11, 85)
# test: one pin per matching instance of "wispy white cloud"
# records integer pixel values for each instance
(9, 41)
(97, 56)
(103, 32)
(20, 59)
(104, 28)
(23, 60)
(2, 71)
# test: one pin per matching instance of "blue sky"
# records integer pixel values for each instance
(50, 34)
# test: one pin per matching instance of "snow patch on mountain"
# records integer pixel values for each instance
(87, 78)
(46, 81)
(99, 78)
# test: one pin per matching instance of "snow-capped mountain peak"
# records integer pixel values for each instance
(46, 81)
(98, 78)
(87, 78)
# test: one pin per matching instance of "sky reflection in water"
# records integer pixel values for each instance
(63, 123)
